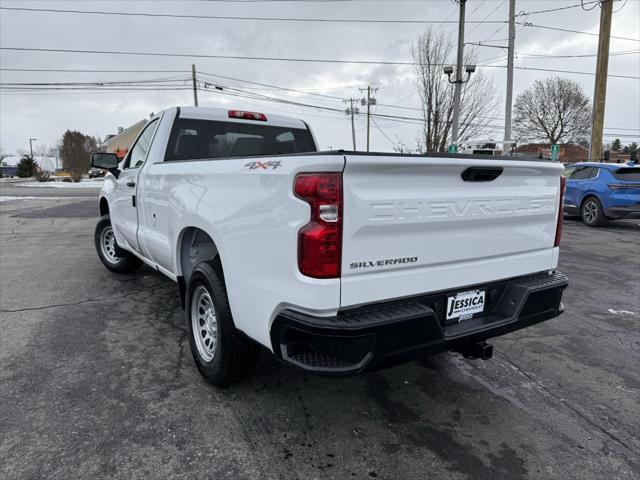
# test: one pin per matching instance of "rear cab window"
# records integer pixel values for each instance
(628, 173)
(192, 139)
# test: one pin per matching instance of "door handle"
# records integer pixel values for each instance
(131, 184)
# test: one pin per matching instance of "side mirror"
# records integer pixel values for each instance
(108, 161)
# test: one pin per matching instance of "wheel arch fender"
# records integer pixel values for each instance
(103, 205)
(194, 245)
(587, 196)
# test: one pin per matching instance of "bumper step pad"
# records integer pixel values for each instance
(392, 332)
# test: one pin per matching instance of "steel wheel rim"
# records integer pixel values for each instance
(108, 245)
(204, 323)
(590, 211)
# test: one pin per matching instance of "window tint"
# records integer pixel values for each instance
(193, 139)
(568, 171)
(139, 151)
(582, 173)
(627, 174)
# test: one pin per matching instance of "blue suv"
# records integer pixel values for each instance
(602, 191)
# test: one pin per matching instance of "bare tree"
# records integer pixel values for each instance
(554, 110)
(478, 100)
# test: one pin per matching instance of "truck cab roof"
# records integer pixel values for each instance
(223, 114)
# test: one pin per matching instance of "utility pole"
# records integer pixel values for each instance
(600, 89)
(351, 110)
(368, 102)
(195, 85)
(31, 140)
(509, 96)
(458, 83)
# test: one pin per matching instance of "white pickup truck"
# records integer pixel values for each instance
(334, 261)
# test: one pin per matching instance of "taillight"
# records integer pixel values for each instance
(563, 183)
(247, 115)
(320, 240)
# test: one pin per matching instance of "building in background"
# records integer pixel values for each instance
(9, 165)
(120, 142)
(569, 153)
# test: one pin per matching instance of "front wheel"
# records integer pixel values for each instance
(221, 353)
(592, 213)
(112, 256)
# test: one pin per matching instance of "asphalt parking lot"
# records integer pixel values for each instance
(97, 380)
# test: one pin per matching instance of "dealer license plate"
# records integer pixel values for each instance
(464, 305)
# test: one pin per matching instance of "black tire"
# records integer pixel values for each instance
(592, 213)
(113, 257)
(234, 356)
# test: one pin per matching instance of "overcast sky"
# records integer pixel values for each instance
(45, 115)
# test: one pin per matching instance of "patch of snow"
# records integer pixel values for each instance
(82, 184)
(621, 312)
(6, 198)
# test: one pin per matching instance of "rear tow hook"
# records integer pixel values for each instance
(473, 351)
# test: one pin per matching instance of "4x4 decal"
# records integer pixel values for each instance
(273, 164)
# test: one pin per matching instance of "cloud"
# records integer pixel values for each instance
(46, 115)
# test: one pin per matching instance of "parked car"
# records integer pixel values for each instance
(97, 173)
(334, 261)
(598, 192)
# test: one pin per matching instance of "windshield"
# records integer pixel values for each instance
(193, 139)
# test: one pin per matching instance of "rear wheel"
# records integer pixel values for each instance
(592, 213)
(221, 353)
(112, 256)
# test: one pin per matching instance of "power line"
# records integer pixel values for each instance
(582, 4)
(271, 86)
(533, 56)
(529, 24)
(234, 17)
(395, 145)
(484, 20)
(281, 59)
(533, 12)
(308, 20)
(73, 70)
(96, 83)
(230, 91)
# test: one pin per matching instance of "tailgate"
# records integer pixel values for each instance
(413, 225)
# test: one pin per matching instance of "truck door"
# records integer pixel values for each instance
(124, 212)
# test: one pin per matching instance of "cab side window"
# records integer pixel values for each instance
(583, 173)
(138, 153)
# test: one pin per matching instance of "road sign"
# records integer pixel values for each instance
(555, 152)
(452, 149)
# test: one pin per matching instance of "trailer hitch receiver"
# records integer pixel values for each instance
(477, 350)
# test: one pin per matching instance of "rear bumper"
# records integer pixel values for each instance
(631, 211)
(382, 334)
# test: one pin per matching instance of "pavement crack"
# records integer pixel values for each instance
(80, 302)
(53, 305)
(564, 402)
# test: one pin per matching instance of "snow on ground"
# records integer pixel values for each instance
(4, 198)
(82, 184)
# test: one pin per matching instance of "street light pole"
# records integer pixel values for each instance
(31, 140)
